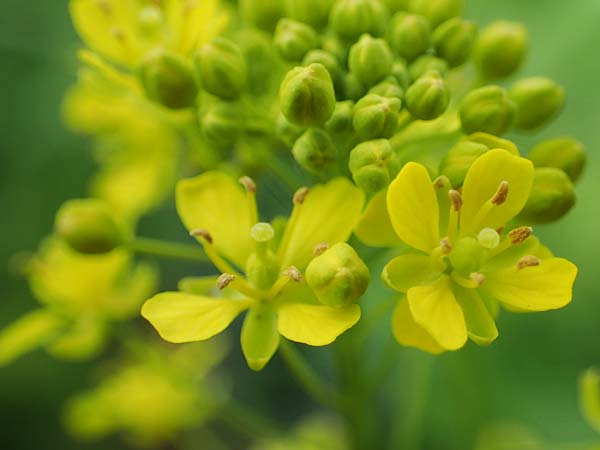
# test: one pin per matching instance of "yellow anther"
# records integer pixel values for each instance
(528, 261)
(225, 280)
(456, 199)
(518, 235)
(478, 278)
(202, 233)
(300, 195)
(293, 273)
(501, 193)
(248, 184)
(446, 246)
(319, 249)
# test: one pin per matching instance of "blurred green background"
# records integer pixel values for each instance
(528, 376)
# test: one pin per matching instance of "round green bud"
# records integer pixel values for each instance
(294, 39)
(388, 88)
(89, 226)
(427, 63)
(263, 14)
(563, 153)
(401, 74)
(315, 151)
(312, 12)
(467, 256)
(287, 132)
(168, 79)
(459, 159)
(341, 119)
(409, 35)
(331, 63)
(370, 60)
(398, 5)
(491, 142)
(487, 109)
(454, 40)
(438, 11)
(338, 276)
(551, 197)
(352, 18)
(306, 96)
(373, 165)
(428, 97)
(376, 116)
(221, 123)
(334, 45)
(353, 88)
(221, 68)
(500, 49)
(538, 99)
(264, 69)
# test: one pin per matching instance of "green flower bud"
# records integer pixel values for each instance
(401, 74)
(500, 49)
(221, 123)
(287, 132)
(427, 63)
(351, 18)
(338, 276)
(459, 159)
(334, 45)
(263, 14)
(331, 63)
(221, 68)
(262, 61)
(306, 96)
(376, 116)
(491, 142)
(370, 60)
(89, 226)
(294, 39)
(552, 196)
(341, 120)
(312, 12)
(398, 5)
(454, 40)
(373, 165)
(409, 35)
(487, 109)
(168, 79)
(388, 88)
(538, 99)
(562, 153)
(438, 11)
(353, 88)
(428, 97)
(315, 151)
(467, 256)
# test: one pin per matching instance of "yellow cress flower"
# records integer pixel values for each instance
(463, 261)
(262, 271)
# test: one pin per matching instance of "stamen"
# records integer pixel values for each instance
(248, 184)
(478, 278)
(293, 273)
(456, 199)
(319, 249)
(204, 234)
(518, 235)
(501, 193)
(300, 195)
(446, 246)
(225, 280)
(528, 261)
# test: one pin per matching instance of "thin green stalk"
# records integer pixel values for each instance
(246, 421)
(166, 249)
(306, 376)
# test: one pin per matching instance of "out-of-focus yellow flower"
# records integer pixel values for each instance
(589, 396)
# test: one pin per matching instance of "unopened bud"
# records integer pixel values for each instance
(398, 5)
(294, 39)
(168, 79)
(341, 119)
(221, 123)
(338, 276)
(438, 11)
(373, 165)
(492, 142)
(454, 40)
(315, 151)
(562, 153)
(409, 35)
(331, 63)
(376, 116)
(388, 88)
(427, 63)
(263, 14)
(286, 131)
(428, 97)
(500, 49)
(89, 226)
(221, 68)
(354, 89)
(538, 100)
(459, 159)
(487, 109)
(370, 59)
(351, 18)
(401, 74)
(306, 95)
(311, 12)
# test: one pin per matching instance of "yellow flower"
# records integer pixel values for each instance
(463, 261)
(278, 300)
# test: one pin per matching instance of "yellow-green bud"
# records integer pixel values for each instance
(538, 99)
(353, 88)
(563, 153)
(287, 132)
(306, 96)
(312, 12)
(409, 35)
(487, 109)
(338, 276)
(263, 14)
(438, 11)
(491, 142)
(351, 18)
(294, 39)
(388, 88)
(428, 97)
(459, 159)
(168, 79)
(398, 5)
(427, 63)
(315, 151)
(454, 40)
(376, 116)
(334, 45)
(341, 119)
(467, 255)
(373, 165)
(221, 68)
(221, 123)
(500, 49)
(370, 60)
(331, 63)
(552, 196)
(262, 61)
(401, 74)
(89, 226)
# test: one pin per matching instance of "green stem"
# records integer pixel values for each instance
(166, 249)
(306, 376)
(246, 421)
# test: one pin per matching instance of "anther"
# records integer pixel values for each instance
(225, 280)
(300, 195)
(518, 235)
(501, 193)
(248, 184)
(446, 246)
(478, 278)
(528, 261)
(293, 273)
(319, 249)
(456, 199)
(202, 233)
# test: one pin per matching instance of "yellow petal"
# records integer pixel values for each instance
(374, 227)
(315, 324)
(480, 323)
(413, 208)
(406, 271)
(328, 214)
(482, 182)
(215, 202)
(538, 288)
(436, 310)
(260, 337)
(182, 317)
(410, 333)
